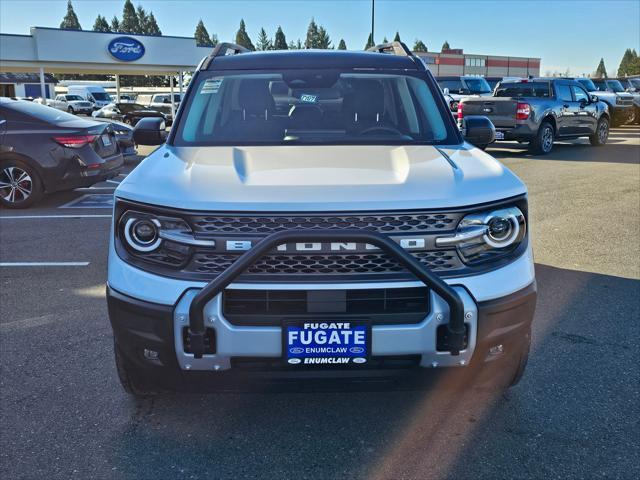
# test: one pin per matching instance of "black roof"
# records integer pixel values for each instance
(309, 59)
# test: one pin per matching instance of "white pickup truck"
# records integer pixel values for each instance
(72, 104)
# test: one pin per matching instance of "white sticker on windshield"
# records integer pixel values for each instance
(211, 85)
(308, 98)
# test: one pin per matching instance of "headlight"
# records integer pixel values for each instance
(156, 238)
(487, 235)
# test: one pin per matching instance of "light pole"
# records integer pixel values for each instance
(373, 12)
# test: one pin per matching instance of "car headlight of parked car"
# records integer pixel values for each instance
(485, 236)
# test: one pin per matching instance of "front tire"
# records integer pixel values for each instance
(20, 185)
(71, 110)
(543, 143)
(601, 134)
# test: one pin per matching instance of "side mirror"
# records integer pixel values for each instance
(446, 91)
(478, 130)
(594, 98)
(150, 131)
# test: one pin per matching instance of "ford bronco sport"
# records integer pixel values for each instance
(314, 214)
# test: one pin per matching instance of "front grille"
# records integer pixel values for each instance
(380, 306)
(324, 264)
(385, 223)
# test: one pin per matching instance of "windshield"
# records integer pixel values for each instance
(524, 89)
(454, 86)
(130, 107)
(477, 85)
(600, 85)
(73, 98)
(101, 96)
(635, 82)
(615, 85)
(588, 84)
(312, 106)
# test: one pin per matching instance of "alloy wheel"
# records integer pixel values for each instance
(603, 132)
(547, 139)
(16, 184)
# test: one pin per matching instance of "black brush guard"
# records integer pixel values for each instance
(265, 246)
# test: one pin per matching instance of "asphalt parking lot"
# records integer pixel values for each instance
(574, 415)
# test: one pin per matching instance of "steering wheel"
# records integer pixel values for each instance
(380, 128)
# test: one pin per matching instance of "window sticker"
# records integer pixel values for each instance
(308, 98)
(211, 85)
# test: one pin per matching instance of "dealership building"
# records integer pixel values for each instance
(51, 50)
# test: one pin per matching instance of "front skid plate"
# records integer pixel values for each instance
(235, 341)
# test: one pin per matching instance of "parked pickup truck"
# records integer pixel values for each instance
(72, 104)
(161, 102)
(612, 93)
(540, 110)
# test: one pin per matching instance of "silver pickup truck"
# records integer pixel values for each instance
(540, 110)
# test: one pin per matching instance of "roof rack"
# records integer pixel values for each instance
(397, 48)
(222, 49)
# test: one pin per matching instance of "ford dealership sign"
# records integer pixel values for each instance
(126, 49)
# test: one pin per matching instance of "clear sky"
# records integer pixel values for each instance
(570, 34)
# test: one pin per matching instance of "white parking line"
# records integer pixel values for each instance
(44, 264)
(26, 217)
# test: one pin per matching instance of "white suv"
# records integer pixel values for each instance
(317, 213)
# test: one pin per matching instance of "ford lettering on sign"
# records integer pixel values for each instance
(126, 49)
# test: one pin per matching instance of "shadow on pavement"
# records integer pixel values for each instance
(613, 152)
(560, 421)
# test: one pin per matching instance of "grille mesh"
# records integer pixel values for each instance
(214, 264)
(386, 223)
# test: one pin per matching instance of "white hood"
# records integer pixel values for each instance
(312, 178)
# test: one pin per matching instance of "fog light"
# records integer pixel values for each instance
(496, 350)
(150, 354)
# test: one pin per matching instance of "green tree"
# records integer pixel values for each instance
(280, 41)
(601, 71)
(324, 40)
(342, 45)
(626, 65)
(263, 42)
(445, 46)
(143, 19)
(397, 37)
(202, 35)
(70, 20)
(130, 22)
(101, 24)
(370, 42)
(214, 39)
(242, 37)
(115, 24)
(385, 40)
(313, 35)
(419, 46)
(152, 26)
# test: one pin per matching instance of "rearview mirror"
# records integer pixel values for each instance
(150, 131)
(446, 91)
(478, 130)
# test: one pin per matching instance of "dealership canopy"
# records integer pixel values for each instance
(85, 52)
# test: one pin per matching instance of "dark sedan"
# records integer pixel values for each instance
(46, 150)
(124, 136)
(129, 113)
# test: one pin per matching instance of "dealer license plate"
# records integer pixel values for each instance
(499, 135)
(337, 343)
(106, 141)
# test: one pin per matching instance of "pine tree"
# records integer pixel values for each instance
(312, 40)
(342, 45)
(601, 71)
(385, 40)
(143, 19)
(263, 42)
(214, 39)
(292, 45)
(419, 46)
(130, 22)
(324, 40)
(70, 20)
(445, 46)
(115, 24)
(626, 65)
(397, 37)
(280, 41)
(370, 42)
(101, 24)
(202, 35)
(299, 45)
(242, 37)
(152, 26)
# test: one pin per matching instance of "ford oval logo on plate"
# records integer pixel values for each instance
(126, 49)
(296, 350)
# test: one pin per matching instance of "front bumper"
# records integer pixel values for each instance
(140, 326)
(621, 114)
